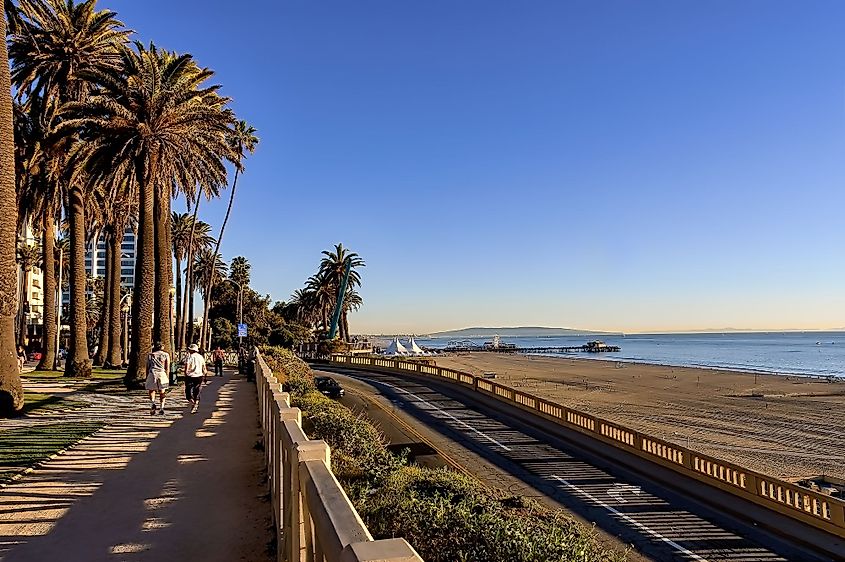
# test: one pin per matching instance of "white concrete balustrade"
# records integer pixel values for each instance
(313, 517)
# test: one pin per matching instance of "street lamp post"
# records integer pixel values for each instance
(172, 310)
(60, 301)
(125, 308)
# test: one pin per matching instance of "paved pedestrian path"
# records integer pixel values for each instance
(144, 488)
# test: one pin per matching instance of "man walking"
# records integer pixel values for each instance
(218, 362)
(195, 374)
(158, 376)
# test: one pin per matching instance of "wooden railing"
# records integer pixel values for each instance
(313, 518)
(819, 510)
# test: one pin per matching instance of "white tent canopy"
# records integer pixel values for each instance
(396, 348)
(413, 348)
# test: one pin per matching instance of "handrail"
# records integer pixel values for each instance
(313, 518)
(818, 510)
(230, 358)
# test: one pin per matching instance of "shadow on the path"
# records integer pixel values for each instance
(192, 489)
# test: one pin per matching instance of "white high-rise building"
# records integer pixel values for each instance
(95, 261)
(31, 282)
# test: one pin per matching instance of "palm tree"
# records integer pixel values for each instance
(57, 43)
(181, 227)
(322, 296)
(302, 308)
(113, 357)
(200, 238)
(152, 120)
(117, 207)
(242, 139)
(29, 260)
(41, 200)
(207, 265)
(239, 271)
(352, 301)
(11, 391)
(333, 265)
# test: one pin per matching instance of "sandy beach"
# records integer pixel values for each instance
(786, 426)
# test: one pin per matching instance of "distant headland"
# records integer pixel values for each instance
(517, 331)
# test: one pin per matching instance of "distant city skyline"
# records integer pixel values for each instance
(609, 166)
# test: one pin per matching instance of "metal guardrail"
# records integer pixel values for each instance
(313, 518)
(819, 510)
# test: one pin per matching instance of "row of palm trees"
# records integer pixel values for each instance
(313, 305)
(101, 131)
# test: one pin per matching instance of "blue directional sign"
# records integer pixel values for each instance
(241, 330)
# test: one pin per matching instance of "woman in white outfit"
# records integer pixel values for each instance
(195, 376)
(158, 376)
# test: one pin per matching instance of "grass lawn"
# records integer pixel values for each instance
(97, 373)
(23, 447)
(37, 402)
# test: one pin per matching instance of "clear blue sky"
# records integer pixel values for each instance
(611, 165)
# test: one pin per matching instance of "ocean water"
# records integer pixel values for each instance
(800, 353)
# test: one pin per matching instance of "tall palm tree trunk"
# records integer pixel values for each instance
(178, 332)
(113, 356)
(205, 328)
(48, 312)
(11, 391)
(102, 346)
(186, 327)
(78, 363)
(143, 298)
(191, 319)
(24, 291)
(164, 270)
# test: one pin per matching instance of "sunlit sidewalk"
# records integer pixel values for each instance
(174, 487)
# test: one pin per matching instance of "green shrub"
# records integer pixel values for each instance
(359, 457)
(328, 347)
(449, 517)
(291, 371)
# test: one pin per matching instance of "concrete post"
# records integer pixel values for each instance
(317, 450)
(290, 486)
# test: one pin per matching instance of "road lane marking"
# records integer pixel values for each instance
(629, 519)
(619, 489)
(445, 413)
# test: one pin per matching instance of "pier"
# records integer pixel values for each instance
(589, 347)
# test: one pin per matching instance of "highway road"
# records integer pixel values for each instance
(503, 446)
